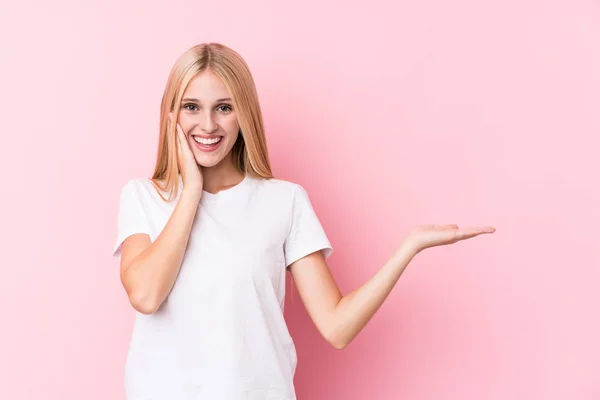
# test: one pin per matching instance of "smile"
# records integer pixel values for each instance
(207, 144)
(205, 141)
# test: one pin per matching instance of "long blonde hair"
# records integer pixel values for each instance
(249, 153)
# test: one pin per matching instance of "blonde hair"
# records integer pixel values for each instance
(249, 153)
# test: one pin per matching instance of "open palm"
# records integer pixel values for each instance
(426, 236)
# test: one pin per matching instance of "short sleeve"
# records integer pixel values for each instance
(131, 217)
(306, 233)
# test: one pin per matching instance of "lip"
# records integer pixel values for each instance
(207, 148)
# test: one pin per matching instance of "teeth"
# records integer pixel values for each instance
(207, 141)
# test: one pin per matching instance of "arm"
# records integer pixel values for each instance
(340, 318)
(149, 269)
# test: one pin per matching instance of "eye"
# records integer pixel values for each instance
(186, 106)
(225, 108)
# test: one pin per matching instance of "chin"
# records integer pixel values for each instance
(214, 158)
(209, 160)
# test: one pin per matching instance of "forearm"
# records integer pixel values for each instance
(152, 274)
(355, 309)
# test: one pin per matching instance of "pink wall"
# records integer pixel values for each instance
(391, 115)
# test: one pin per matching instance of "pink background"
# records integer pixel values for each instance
(390, 115)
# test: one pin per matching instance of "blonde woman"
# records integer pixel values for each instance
(205, 244)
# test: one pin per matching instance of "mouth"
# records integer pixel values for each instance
(207, 144)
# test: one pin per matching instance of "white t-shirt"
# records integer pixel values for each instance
(221, 334)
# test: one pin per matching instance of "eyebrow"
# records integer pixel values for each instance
(198, 101)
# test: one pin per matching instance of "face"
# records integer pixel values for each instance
(207, 117)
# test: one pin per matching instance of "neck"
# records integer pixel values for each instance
(221, 177)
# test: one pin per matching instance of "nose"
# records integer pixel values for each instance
(209, 125)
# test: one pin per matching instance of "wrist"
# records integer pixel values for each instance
(192, 192)
(408, 249)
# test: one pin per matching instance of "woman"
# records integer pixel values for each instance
(204, 246)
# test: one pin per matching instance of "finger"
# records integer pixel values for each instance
(179, 145)
(186, 149)
(448, 226)
(482, 229)
(469, 232)
(184, 138)
(177, 133)
(184, 143)
(171, 120)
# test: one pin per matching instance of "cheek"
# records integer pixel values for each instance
(231, 127)
(186, 122)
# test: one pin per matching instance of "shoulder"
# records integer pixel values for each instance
(143, 189)
(282, 195)
(135, 185)
(280, 187)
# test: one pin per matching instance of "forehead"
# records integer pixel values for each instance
(206, 86)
